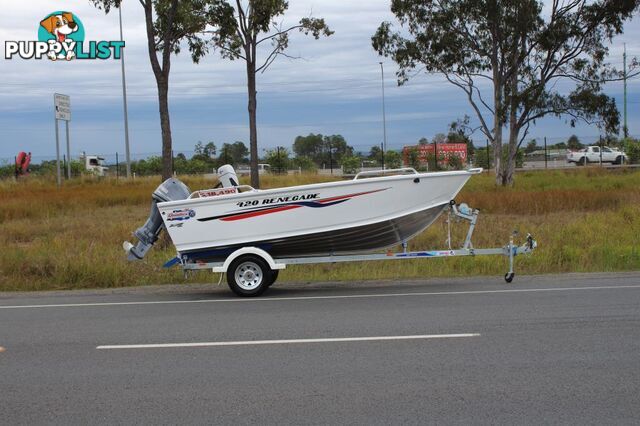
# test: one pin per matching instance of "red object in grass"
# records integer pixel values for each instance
(22, 163)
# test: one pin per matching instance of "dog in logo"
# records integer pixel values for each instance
(60, 26)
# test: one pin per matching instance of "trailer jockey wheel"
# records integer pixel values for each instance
(508, 277)
(249, 276)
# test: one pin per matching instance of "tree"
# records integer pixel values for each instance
(392, 159)
(338, 147)
(278, 159)
(311, 146)
(350, 164)
(207, 151)
(574, 143)
(168, 24)
(521, 52)
(375, 153)
(322, 149)
(413, 157)
(532, 145)
(234, 153)
(239, 31)
(439, 138)
(460, 132)
(423, 141)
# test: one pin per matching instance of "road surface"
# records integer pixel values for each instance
(551, 349)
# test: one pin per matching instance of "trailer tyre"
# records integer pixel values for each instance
(249, 276)
(273, 276)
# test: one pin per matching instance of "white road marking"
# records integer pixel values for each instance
(288, 341)
(348, 296)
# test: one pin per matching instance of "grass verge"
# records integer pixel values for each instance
(586, 220)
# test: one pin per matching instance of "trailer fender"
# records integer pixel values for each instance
(249, 250)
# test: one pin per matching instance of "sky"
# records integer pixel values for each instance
(335, 88)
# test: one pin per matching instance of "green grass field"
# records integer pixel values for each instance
(585, 220)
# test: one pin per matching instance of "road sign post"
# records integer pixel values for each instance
(58, 177)
(62, 111)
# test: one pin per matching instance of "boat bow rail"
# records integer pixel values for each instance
(403, 170)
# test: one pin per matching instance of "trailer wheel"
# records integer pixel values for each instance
(273, 276)
(248, 276)
(508, 277)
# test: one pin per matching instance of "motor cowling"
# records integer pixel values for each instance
(227, 176)
(170, 190)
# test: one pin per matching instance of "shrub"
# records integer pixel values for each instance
(455, 162)
(350, 165)
(305, 164)
(278, 159)
(632, 149)
(392, 160)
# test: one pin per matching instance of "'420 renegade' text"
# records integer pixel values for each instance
(276, 200)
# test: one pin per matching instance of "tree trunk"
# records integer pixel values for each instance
(253, 128)
(165, 126)
(162, 81)
(510, 166)
(514, 127)
(497, 134)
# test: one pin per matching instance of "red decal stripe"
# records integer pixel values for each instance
(258, 213)
(341, 197)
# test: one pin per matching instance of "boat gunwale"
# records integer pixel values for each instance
(310, 187)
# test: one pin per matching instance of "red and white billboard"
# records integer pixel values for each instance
(445, 150)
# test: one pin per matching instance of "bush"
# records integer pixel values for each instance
(480, 157)
(632, 149)
(392, 160)
(413, 158)
(7, 171)
(305, 164)
(350, 165)
(455, 162)
(278, 159)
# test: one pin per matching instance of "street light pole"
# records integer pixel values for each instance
(124, 100)
(384, 115)
(625, 129)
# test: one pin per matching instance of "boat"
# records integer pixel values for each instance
(372, 211)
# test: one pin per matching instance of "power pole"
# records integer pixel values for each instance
(625, 129)
(124, 100)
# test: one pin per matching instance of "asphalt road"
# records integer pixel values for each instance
(552, 349)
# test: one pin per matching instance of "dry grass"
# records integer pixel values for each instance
(585, 220)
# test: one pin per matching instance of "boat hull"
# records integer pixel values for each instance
(335, 217)
(368, 237)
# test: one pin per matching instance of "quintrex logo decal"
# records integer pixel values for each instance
(183, 214)
(61, 36)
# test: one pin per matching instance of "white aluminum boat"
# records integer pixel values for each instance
(367, 213)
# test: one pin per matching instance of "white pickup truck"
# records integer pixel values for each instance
(592, 154)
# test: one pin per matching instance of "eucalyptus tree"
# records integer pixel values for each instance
(249, 30)
(169, 24)
(516, 61)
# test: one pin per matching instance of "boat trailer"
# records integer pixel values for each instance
(250, 270)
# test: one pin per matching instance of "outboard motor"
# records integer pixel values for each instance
(227, 176)
(170, 190)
